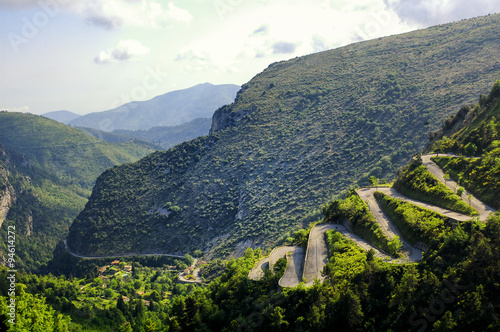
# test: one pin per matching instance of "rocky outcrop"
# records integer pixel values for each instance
(6, 199)
(226, 117)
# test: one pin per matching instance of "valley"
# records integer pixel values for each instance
(299, 133)
(353, 189)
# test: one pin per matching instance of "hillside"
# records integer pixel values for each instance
(47, 170)
(299, 133)
(451, 286)
(170, 109)
(62, 116)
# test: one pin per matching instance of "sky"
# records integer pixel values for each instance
(93, 55)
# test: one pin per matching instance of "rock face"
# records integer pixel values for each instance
(224, 118)
(7, 197)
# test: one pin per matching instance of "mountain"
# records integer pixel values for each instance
(62, 116)
(170, 109)
(299, 133)
(47, 170)
(452, 286)
(162, 137)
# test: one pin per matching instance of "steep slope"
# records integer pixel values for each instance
(62, 116)
(298, 133)
(47, 170)
(479, 136)
(170, 109)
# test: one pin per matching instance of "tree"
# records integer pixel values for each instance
(446, 178)
(470, 149)
(189, 258)
(373, 180)
(394, 245)
(460, 191)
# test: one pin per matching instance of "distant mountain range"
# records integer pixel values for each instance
(162, 137)
(62, 116)
(170, 109)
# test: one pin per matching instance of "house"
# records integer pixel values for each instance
(125, 299)
(127, 268)
(115, 262)
(103, 269)
(146, 302)
(188, 270)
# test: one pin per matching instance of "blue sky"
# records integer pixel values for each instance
(93, 55)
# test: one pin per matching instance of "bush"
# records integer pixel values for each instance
(417, 182)
(415, 223)
(361, 220)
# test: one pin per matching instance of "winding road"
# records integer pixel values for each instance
(308, 268)
(483, 209)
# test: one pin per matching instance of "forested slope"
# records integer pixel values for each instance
(47, 170)
(300, 132)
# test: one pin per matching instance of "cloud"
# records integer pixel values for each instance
(106, 22)
(432, 12)
(126, 50)
(283, 47)
(263, 30)
(112, 14)
(178, 14)
(23, 109)
(18, 3)
(319, 43)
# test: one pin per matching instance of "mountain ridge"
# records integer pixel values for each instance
(47, 170)
(333, 118)
(169, 109)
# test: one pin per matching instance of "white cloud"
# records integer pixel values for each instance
(177, 13)
(23, 109)
(115, 13)
(111, 14)
(126, 50)
(431, 12)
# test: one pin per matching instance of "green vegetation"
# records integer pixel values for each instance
(415, 223)
(417, 182)
(361, 221)
(454, 288)
(481, 137)
(110, 300)
(346, 259)
(48, 169)
(299, 133)
(479, 175)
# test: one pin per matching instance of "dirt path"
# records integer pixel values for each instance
(483, 209)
